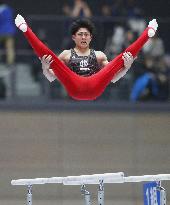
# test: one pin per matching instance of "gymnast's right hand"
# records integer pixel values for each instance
(20, 23)
(46, 61)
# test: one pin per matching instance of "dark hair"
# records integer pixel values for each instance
(82, 23)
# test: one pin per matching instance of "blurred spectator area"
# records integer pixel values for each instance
(149, 7)
(116, 28)
(112, 40)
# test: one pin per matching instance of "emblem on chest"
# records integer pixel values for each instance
(84, 65)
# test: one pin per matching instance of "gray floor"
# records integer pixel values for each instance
(46, 144)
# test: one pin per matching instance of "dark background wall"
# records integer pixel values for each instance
(151, 8)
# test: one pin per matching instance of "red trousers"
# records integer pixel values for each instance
(79, 87)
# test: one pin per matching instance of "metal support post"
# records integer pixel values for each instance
(101, 193)
(86, 195)
(29, 195)
(162, 194)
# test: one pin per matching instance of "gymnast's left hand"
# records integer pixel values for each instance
(128, 59)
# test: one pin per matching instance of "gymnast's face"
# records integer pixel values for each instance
(82, 38)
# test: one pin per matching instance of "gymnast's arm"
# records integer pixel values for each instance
(46, 62)
(127, 58)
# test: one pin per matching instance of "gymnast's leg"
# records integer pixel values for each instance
(107, 73)
(62, 72)
(76, 86)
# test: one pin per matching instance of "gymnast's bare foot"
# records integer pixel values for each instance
(153, 25)
(20, 23)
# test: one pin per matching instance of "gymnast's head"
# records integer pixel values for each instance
(82, 31)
